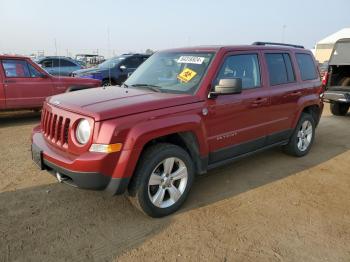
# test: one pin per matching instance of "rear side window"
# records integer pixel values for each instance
(244, 66)
(15, 68)
(280, 68)
(306, 66)
(132, 62)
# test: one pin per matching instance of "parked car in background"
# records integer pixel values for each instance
(90, 60)
(337, 78)
(59, 65)
(113, 71)
(181, 113)
(323, 68)
(25, 85)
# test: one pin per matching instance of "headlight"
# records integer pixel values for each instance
(83, 131)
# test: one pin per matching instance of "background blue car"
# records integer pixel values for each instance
(114, 71)
(59, 66)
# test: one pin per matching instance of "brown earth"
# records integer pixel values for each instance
(268, 207)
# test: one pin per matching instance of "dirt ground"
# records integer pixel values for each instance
(268, 207)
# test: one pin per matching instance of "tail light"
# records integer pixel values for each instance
(325, 78)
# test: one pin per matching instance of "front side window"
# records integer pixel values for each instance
(111, 63)
(46, 63)
(245, 66)
(280, 68)
(67, 63)
(307, 67)
(171, 72)
(15, 68)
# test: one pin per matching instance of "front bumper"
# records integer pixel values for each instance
(84, 171)
(336, 96)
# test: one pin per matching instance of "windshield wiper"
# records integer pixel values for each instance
(151, 87)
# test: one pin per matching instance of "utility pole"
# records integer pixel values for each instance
(283, 32)
(55, 42)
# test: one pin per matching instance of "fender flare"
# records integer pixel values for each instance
(304, 102)
(147, 131)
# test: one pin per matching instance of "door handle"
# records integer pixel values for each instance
(9, 81)
(294, 93)
(259, 101)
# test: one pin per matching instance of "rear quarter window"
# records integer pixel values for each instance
(306, 67)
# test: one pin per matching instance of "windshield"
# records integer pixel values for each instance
(171, 72)
(111, 63)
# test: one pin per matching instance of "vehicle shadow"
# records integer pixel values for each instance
(17, 118)
(332, 139)
(57, 222)
(66, 224)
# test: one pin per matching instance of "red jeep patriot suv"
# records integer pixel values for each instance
(182, 112)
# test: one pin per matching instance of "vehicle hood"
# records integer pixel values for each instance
(112, 102)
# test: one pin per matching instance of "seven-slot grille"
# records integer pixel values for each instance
(55, 127)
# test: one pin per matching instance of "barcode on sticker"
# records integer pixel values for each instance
(191, 60)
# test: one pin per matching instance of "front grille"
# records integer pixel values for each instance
(55, 127)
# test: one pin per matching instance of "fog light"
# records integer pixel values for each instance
(102, 148)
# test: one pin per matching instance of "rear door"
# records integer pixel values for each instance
(236, 123)
(285, 91)
(25, 86)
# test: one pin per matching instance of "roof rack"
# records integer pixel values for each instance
(281, 44)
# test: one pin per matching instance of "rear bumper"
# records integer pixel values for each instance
(70, 171)
(336, 96)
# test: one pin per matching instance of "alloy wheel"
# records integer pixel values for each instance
(305, 134)
(167, 182)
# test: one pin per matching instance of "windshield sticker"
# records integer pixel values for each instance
(191, 60)
(186, 75)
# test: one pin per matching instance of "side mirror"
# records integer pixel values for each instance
(228, 86)
(122, 67)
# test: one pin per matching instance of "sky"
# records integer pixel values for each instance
(67, 27)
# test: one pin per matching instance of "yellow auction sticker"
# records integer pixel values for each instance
(186, 75)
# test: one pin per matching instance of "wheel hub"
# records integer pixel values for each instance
(166, 182)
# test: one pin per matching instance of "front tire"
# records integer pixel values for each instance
(303, 137)
(106, 83)
(339, 109)
(162, 181)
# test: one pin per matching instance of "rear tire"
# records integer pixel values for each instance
(106, 83)
(303, 137)
(162, 180)
(339, 109)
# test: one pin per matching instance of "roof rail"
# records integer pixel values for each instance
(281, 44)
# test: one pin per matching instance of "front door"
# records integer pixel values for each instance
(236, 123)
